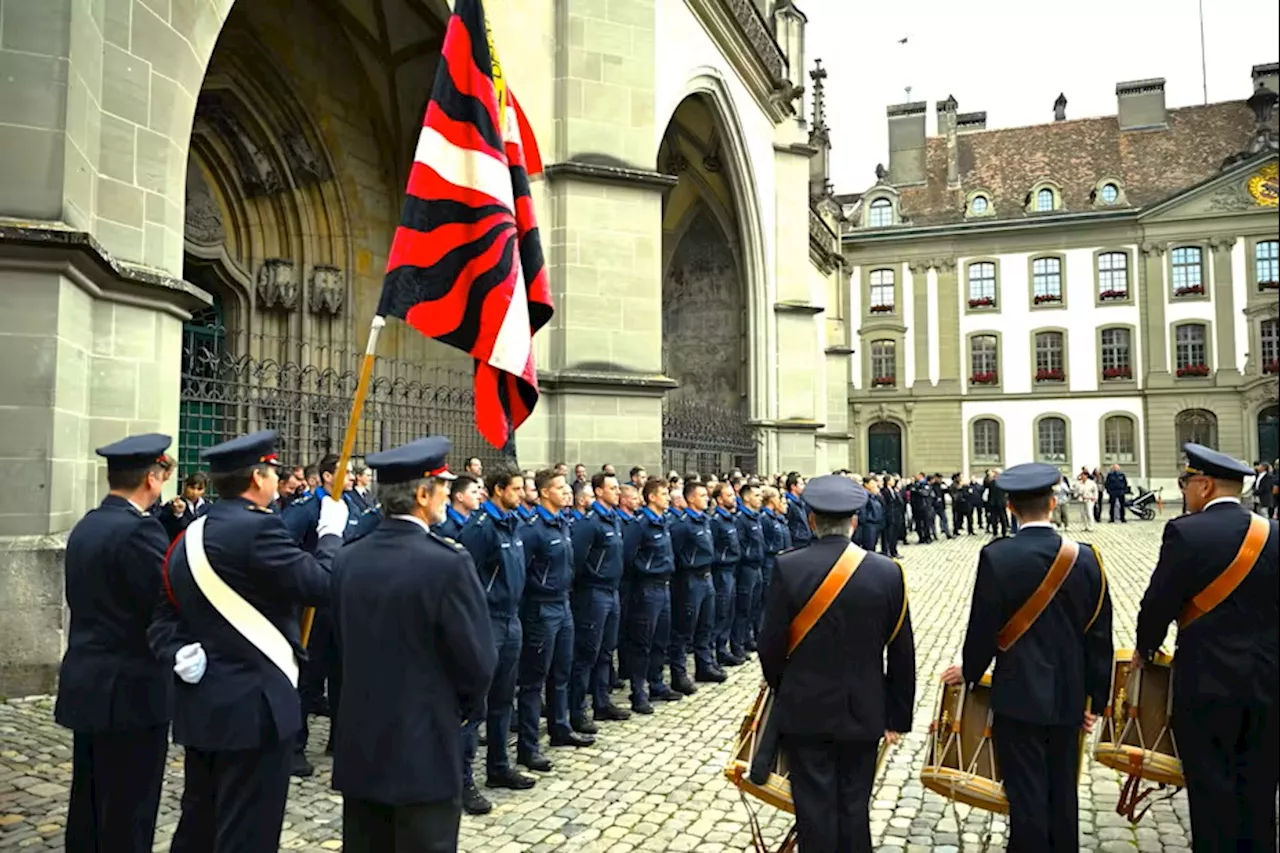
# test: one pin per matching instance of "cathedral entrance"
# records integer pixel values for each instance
(884, 448)
(705, 424)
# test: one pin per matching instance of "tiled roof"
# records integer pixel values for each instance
(1151, 164)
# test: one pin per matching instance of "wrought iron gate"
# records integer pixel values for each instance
(707, 439)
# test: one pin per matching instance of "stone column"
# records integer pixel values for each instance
(1224, 303)
(920, 331)
(950, 346)
(1151, 302)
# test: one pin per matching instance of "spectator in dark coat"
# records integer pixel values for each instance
(1117, 486)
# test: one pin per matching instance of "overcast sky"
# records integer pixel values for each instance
(1002, 57)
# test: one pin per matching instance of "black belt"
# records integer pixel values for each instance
(653, 581)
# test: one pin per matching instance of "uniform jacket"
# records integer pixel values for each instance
(417, 655)
(303, 514)
(1045, 678)
(870, 523)
(549, 552)
(452, 525)
(693, 544)
(495, 540)
(724, 533)
(750, 537)
(798, 521)
(777, 536)
(1231, 651)
(525, 513)
(836, 684)
(244, 700)
(175, 524)
(597, 548)
(109, 679)
(996, 497)
(647, 546)
(1262, 488)
(1117, 483)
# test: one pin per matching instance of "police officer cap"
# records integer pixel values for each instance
(135, 452)
(244, 452)
(1211, 463)
(1029, 478)
(416, 460)
(833, 494)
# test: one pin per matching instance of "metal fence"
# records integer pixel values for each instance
(234, 384)
(707, 439)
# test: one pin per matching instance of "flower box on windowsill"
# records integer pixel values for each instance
(1272, 366)
(1190, 290)
(1193, 370)
(988, 378)
(884, 382)
(1048, 298)
(983, 302)
(1113, 295)
(1114, 373)
(1269, 285)
(1051, 376)
(881, 309)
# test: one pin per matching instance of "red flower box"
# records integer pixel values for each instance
(881, 309)
(988, 378)
(1047, 297)
(1269, 285)
(1190, 290)
(1054, 375)
(884, 381)
(1194, 370)
(1272, 366)
(1117, 373)
(983, 302)
(1113, 295)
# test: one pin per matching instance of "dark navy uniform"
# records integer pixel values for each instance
(1041, 684)
(413, 631)
(239, 720)
(495, 540)
(617, 672)
(1226, 711)
(526, 513)
(693, 602)
(742, 637)
(870, 523)
(648, 554)
(452, 525)
(597, 557)
(724, 534)
(798, 521)
(832, 709)
(777, 538)
(175, 523)
(112, 692)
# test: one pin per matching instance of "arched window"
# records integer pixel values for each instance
(1046, 281)
(880, 214)
(1266, 264)
(1051, 440)
(1044, 200)
(882, 296)
(1050, 357)
(1116, 354)
(1269, 337)
(986, 442)
(1188, 271)
(1199, 426)
(984, 360)
(979, 205)
(884, 363)
(1113, 276)
(982, 284)
(1191, 353)
(1109, 193)
(1119, 441)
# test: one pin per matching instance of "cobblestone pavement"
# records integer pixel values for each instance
(656, 783)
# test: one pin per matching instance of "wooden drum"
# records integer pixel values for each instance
(961, 763)
(1136, 737)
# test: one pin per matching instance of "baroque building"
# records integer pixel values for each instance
(1082, 292)
(199, 196)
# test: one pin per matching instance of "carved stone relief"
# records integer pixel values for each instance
(328, 290)
(257, 170)
(277, 285)
(305, 164)
(203, 218)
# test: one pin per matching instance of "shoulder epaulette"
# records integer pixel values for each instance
(446, 541)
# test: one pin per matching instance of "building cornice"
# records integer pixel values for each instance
(590, 381)
(607, 174)
(744, 38)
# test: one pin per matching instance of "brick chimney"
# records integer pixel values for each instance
(947, 128)
(1060, 107)
(1141, 104)
(907, 143)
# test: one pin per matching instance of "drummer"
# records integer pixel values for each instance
(1043, 679)
(1225, 697)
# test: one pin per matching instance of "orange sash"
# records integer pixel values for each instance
(824, 595)
(1030, 611)
(1225, 584)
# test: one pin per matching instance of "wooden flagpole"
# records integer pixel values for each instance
(349, 440)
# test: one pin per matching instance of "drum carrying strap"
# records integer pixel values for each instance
(824, 595)
(1225, 584)
(1031, 609)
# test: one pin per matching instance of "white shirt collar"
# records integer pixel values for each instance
(415, 520)
(1227, 500)
(1028, 525)
(140, 509)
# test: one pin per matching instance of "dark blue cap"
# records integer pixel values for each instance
(1211, 463)
(1029, 478)
(416, 460)
(244, 452)
(135, 452)
(834, 494)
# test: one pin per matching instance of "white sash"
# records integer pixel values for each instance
(242, 615)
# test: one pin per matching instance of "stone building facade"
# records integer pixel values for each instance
(1082, 292)
(199, 195)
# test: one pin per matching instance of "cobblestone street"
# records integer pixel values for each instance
(656, 783)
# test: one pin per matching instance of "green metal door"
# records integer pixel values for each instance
(884, 448)
(202, 412)
(1269, 434)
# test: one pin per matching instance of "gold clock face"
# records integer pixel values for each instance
(1264, 186)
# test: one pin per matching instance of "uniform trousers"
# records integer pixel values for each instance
(961, 516)
(746, 581)
(369, 827)
(1115, 507)
(831, 787)
(725, 579)
(233, 800)
(620, 670)
(507, 640)
(693, 608)
(546, 660)
(1040, 765)
(648, 636)
(321, 674)
(596, 610)
(761, 595)
(1231, 759)
(115, 790)
(998, 521)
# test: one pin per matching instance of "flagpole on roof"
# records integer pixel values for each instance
(1204, 64)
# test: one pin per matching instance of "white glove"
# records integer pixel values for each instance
(190, 663)
(333, 517)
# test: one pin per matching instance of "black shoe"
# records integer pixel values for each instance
(682, 684)
(514, 728)
(571, 738)
(473, 802)
(710, 676)
(611, 712)
(730, 660)
(617, 684)
(751, 645)
(482, 739)
(510, 779)
(535, 761)
(302, 768)
(641, 707)
(584, 727)
(665, 695)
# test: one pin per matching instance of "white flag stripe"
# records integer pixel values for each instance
(511, 347)
(463, 167)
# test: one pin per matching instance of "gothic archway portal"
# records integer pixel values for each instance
(704, 301)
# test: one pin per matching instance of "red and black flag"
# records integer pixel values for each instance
(466, 265)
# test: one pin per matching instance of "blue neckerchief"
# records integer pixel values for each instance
(693, 513)
(492, 510)
(547, 515)
(678, 513)
(748, 510)
(651, 515)
(601, 509)
(455, 516)
(577, 514)
(626, 515)
(724, 513)
(741, 505)
(321, 492)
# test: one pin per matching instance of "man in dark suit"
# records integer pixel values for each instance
(870, 518)
(1046, 674)
(112, 692)
(832, 709)
(412, 629)
(997, 512)
(1226, 704)
(228, 625)
(797, 511)
(1263, 484)
(1117, 485)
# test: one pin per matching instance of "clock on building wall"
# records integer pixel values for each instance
(1264, 186)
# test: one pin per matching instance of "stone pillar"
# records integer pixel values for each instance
(1151, 302)
(920, 333)
(1224, 302)
(950, 346)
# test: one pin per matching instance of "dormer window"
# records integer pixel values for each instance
(979, 204)
(1044, 200)
(880, 214)
(1045, 197)
(1109, 193)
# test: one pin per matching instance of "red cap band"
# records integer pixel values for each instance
(436, 472)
